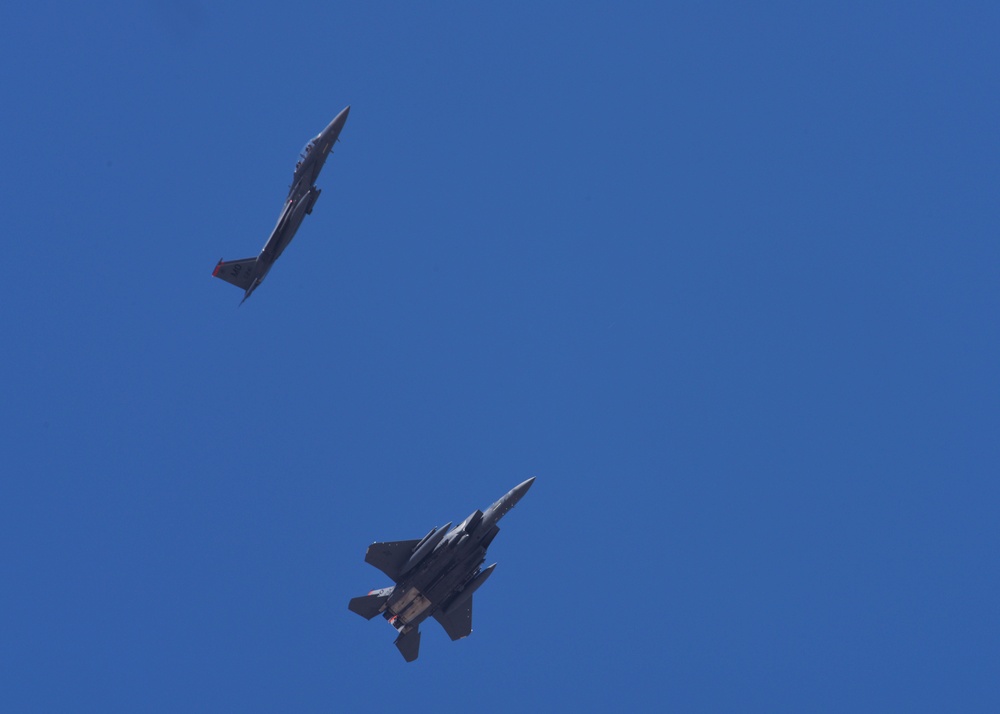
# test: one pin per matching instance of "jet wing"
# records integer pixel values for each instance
(459, 623)
(390, 557)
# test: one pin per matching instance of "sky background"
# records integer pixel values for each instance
(722, 276)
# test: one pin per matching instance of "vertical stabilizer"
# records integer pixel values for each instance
(237, 272)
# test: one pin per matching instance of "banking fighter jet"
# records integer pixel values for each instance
(435, 576)
(248, 273)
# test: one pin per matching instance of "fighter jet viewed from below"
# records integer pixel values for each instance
(435, 576)
(248, 273)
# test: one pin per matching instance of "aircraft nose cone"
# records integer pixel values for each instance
(333, 130)
(517, 493)
(522, 488)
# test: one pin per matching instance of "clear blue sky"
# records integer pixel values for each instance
(722, 277)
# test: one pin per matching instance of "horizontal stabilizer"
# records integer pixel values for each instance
(238, 272)
(409, 645)
(368, 606)
(457, 624)
(390, 557)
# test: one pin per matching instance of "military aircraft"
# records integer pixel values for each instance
(248, 273)
(435, 576)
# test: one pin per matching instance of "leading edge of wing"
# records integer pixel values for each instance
(390, 557)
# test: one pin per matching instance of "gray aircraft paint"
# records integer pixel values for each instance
(248, 273)
(435, 576)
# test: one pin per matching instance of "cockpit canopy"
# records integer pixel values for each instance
(306, 150)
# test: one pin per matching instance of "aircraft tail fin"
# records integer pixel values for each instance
(409, 645)
(237, 272)
(368, 606)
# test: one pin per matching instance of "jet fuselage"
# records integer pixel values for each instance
(435, 576)
(302, 195)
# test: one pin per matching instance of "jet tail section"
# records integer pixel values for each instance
(409, 645)
(238, 272)
(370, 605)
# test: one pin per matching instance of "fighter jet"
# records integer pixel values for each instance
(435, 576)
(248, 273)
